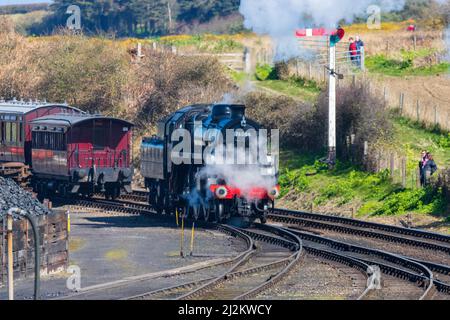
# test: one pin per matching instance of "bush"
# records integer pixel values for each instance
(97, 74)
(296, 121)
(265, 72)
(88, 73)
(177, 81)
(304, 125)
(444, 141)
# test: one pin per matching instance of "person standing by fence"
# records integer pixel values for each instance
(422, 162)
(353, 50)
(429, 168)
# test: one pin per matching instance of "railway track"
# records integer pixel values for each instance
(430, 237)
(266, 274)
(432, 254)
(392, 265)
(252, 275)
(413, 277)
(199, 288)
(117, 289)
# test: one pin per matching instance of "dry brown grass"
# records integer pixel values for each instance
(98, 74)
(390, 43)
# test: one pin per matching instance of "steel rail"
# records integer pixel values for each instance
(422, 276)
(138, 209)
(241, 259)
(356, 231)
(294, 244)
(365, 224)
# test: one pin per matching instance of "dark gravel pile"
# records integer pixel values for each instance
(13, 196)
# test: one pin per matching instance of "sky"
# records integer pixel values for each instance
(6, 2)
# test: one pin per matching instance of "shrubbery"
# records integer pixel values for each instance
(97, 74)
(265, 72)
(304, 125)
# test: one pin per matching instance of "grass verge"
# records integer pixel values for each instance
(346, 185)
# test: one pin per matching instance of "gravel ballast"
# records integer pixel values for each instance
(13, 196)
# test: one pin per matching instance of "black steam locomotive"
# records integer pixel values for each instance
(206, 162)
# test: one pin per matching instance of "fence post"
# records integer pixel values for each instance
(392, 165)
(248, 61)
(404, 172)
(418, 110)
(402, 101)
(363, 59)
(310, 71)
(418, 182)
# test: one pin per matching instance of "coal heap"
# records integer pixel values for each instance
(13, 196)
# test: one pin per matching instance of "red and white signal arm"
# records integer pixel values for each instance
(319, 32)
(305, 33)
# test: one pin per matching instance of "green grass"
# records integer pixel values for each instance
(203, 43)
(415, 137)
(238, 77)
(293, 88)
(399, 68)
(348, 184)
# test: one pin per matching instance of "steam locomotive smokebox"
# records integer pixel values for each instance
(53, 235)
(53, 245)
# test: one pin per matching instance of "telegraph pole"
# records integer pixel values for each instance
(332, 106)
(334, 37)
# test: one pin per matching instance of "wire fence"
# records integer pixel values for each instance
(313, 66)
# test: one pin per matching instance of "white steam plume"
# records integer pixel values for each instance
(280, 18)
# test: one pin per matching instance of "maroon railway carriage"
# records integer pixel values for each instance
(15, 133)
(81, 154)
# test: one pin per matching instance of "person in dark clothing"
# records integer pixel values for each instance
(359, 49)
(422, 162)
(429, 168)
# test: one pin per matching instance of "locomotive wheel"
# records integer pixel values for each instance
(207, 213)
(216, 215)
(195, 209)
(220, 212)
(203, 212)
(107, 194)
(186, 212)
(115, 193)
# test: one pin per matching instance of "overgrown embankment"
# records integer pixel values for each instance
(103, 75)
(353, 188)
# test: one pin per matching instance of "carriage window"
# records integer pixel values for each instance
(14, 132)
(8, 131)
(100, 136)
(49, 141)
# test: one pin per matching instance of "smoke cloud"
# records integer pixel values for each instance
(280, 18)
